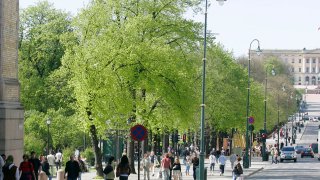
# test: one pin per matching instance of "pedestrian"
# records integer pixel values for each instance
(237, 170)
(176, 169)
(36, 164)
(146, 163)
(51, 161)
(187, 164)
(72, 169)
(26, 169)
(153, 162)
(195, 162)
(276, 155)
(272, 151)
(212, 162)
(1, 165)
(109, 169)
(233, 159)
(10, 171)
(123, 169)
(46, 167)
(4, 157)
(289, 139)
(58, 160)
(165, 167)
(222, 161)
(81, 165)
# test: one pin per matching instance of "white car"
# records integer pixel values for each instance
(288, 153)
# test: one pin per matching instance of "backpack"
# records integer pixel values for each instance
(107, 169)
(238, 169)
(9, 173)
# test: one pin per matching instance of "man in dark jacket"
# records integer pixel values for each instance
(36, 164)
(72, 169)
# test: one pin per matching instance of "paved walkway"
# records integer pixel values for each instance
(256, 165)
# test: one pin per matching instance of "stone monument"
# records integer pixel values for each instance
(11, 110)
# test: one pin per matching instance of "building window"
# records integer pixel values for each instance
(314, 60)
(307, 60)
(292, 61)
(299, 69)
(313, 70)
(299, 78)
(307, 70)
(299, 60)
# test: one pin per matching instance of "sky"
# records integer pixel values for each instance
(277, 24)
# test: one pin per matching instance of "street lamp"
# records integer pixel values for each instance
(202, 148)
(264, 154)
(246, 156)
(48, 124)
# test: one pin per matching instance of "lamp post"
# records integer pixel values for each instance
(202, 147)
(246, 156)
(264, 154)
(48, 124)
(278, 126)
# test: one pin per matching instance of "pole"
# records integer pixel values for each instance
(138, 160)
(201, 160)
(278, 148)
(265, 116)
(246, 162)
(48, 141)
(286, 121)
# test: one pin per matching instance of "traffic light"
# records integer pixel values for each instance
(263, 137)
(184, 138)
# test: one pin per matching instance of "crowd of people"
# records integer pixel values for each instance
(31, 167)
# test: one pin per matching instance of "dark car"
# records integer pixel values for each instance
(299, 149)
(314, 147)
(307, 152)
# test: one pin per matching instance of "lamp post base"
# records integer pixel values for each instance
(264, 153)
(246, 161)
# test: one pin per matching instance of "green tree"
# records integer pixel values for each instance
(134, 59)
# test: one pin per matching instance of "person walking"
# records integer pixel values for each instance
(123, 169)
(36, 164)
(109, 169)
(195, 162)
(58, 160)
(176, 169)
(46, 167)
(233, 159)
(276, 155)
(1, 165)
(188, 163)
(146, 163)
(212, 162)
(10, 171)
(51, 161)
(81, 165)
(26, 170)
(153, 162)
(72, 169)
(222, 161)
(237, 170)
(165, 167)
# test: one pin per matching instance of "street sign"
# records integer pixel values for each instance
(251, 120)
(138, 132)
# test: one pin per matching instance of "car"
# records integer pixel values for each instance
(307, 152)
(299, 149)
(314, 147)
(288, 153)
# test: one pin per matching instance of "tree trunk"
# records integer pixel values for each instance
(97, 150)
(130, 154)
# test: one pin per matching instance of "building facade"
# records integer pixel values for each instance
(304, 64)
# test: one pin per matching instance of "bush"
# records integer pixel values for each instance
(89, 155)
(67, 152)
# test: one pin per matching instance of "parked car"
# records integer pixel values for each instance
(307, 152)
(299, 149)
(288, 153)
(314, 147)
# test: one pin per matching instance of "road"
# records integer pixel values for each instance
(304, 168)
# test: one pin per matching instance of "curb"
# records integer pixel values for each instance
(254, 172)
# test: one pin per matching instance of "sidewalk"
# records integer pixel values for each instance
(256, 165)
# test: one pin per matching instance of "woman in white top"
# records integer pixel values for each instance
(212, 162)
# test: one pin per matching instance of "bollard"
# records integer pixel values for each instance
(60, 174)
(43, 176)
